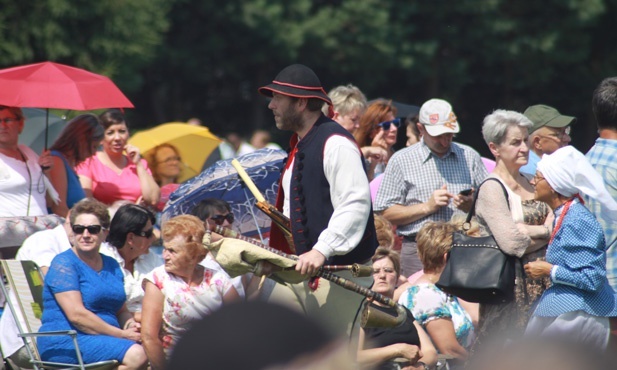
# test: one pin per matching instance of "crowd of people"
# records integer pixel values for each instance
(351, 198)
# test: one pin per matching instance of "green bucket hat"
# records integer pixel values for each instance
(543, 115)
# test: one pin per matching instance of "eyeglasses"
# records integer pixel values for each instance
(536, 179)
(92, 229)
(386, 270)
(8, 121)
(172, 159)
(558, 135)
(386, 125)
(146, 234)
(220, 219)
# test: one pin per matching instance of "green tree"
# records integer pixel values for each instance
(112, 37)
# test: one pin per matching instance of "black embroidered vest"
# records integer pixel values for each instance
(310, 203)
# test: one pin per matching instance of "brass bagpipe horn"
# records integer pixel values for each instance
(370, 317)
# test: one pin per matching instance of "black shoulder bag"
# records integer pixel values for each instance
(476, 269)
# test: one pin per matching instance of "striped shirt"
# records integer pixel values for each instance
(603, 157)
(414, 173)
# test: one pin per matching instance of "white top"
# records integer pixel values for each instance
(133, 282)
(350, 195)
(16, 185)
(40, 247)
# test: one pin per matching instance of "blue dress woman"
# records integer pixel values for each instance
(84, 291)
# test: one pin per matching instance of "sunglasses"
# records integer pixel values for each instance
(386, 125)
(92, 229)
(146, 234)
(220, 219)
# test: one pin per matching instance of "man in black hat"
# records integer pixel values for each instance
(324, 189)
(325, 193)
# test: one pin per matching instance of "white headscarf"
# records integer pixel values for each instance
(569, 172)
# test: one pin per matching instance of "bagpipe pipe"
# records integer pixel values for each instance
(370, 317)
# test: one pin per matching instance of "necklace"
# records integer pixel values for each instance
(566, 207)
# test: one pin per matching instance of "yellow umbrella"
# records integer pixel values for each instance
(195, 143)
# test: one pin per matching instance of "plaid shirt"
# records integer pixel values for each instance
(603, 157)
(414, 173)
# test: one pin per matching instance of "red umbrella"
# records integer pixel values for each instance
(53, 85)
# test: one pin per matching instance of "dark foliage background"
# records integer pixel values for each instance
(177, 59)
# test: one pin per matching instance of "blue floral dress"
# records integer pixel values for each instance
(102, 293)
(427, 303)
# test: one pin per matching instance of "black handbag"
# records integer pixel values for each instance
(476, 269)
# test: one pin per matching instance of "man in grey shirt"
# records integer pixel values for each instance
(424, 182)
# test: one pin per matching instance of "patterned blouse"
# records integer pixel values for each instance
(427, 303)
(184, 304)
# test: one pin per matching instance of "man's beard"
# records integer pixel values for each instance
(291, 121)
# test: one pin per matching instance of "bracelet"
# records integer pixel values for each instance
(548, 232)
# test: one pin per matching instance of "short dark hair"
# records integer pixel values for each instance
(112, 117)
(206, 208)
(130, 218)
(604, 103)
(314, 105)
(394, 256)
(93, 207)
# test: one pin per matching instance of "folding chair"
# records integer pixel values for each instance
(26, 281)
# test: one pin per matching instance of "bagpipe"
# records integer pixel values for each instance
(370, 317)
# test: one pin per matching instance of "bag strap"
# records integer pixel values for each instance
(472, 211)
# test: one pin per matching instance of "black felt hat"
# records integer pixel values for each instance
(298, 81)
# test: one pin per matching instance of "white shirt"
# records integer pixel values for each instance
(18, 183)
(143, 265)
(40, 247)
(349, 193)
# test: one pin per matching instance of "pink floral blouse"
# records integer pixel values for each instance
(184, 304)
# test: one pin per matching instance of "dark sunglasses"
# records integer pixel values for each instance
(92, 229)
(220, 219)
(386, 125)
(146, 234)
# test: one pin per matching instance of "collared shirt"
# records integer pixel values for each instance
(143, 265)
(414, 173)
(350, 195)
(532, 164)
(603, 157)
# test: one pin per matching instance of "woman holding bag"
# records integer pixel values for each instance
(519, 224)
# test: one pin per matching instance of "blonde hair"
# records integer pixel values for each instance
(383, 229)
(346, 99)
(434, 241)
(458, 219)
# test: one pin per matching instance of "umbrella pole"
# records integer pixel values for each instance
(44, 168)
(254, 217)
(46, 126)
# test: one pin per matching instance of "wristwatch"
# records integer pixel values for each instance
(425, 366)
